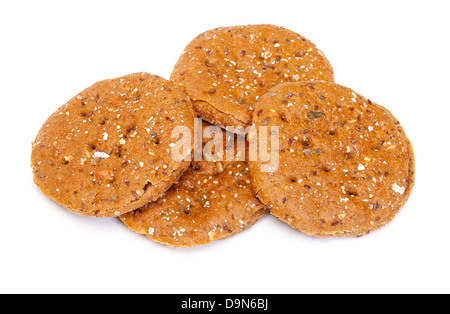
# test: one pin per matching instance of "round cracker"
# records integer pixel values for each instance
(213, 200)
(225, 70)
(346, 165)
(108, 150)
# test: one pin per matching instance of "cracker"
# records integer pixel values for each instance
(107, 151)
(346, 165)
(225, 70)
(213, 200)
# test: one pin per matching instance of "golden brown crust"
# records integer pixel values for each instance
(225, 70)
(213, 200)
(346, 165)
(107, 151)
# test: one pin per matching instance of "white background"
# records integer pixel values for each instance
(394, 52)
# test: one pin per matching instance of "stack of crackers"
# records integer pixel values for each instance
(276, 135)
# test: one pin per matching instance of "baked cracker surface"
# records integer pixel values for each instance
(346, 165)
(225, 70)
(107, 151)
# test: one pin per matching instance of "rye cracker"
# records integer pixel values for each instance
(108, 150)
(346, 165)
(226, 70)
